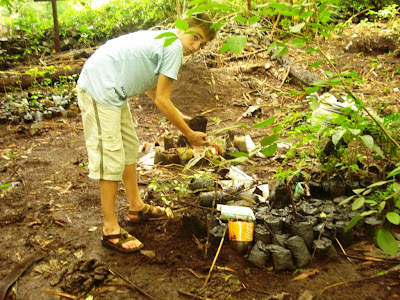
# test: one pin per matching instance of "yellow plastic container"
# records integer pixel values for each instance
(240, 231)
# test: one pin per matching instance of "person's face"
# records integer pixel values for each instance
(192, 40)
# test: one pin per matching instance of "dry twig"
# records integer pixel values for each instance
(391, 270)
(130, 284)
(215, 258)
(344, 252)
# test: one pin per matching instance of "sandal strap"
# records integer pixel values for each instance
(112, 236)
(147, 210)
(123, 241)
(122, 235)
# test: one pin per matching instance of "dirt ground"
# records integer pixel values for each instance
(53, 208)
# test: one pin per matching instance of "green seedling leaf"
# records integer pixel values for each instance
(238, 160)
(181, 24)
(297, 271)
(394, 172)
(170, 38)
(393, 218)
(269, 140)
(297, 28)
(264, 123)
(328, 73)
(311, 50)
(217, 25)
(316, 25)
(386, 241)
(398, 203)
(371, 202)
(279, 5)
(366, 192)
(298, 43)
(315, 104)
(355, 131)
(238, 154)
(316, 64)
(236, 43)
(381, 273)
(325, 16)
(367, 213)
(352, 223)
(368, 141)
(191, 163)
(272, 47)
(313, 89)
(347, 200)
(169, 41)
(253, 20)
(289, 13)
(325, 34)
(381, 206)
(337, 136)
(379, 183)
(350, 74)
(378, 150)
(240, 19)
(358, 203)
(306, 14)
(224, 48)
(270, 151)
(335, 81)
(283, 51)
(165, 34)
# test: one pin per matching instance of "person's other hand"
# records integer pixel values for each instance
(185, 118)
(197, 138)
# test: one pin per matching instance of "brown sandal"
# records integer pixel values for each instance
(123, 237)
(146, 213)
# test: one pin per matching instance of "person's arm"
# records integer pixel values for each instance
(161, 96)
(152, 95)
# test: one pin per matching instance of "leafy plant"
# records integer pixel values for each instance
(164, 189)
(267, 146)
(384, 203)
(387, 12)
(4, 189)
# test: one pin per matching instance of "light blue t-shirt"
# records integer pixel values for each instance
(129, 65)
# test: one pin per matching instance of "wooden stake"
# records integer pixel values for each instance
(215, 258)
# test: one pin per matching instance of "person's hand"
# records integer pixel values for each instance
(197, 138)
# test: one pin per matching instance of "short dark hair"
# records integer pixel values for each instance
(203, 21)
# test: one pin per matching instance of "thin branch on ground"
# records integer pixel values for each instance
(131, 285)
(344, 252)
(215, 258)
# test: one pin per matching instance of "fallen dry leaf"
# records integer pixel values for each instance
(225, 269)
(148, 253)
(169, 213)
(306, 274)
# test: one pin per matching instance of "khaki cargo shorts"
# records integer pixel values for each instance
(110, 137)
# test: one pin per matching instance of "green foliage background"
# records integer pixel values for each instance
(119, 16)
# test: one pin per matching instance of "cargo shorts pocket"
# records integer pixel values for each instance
(114, 157)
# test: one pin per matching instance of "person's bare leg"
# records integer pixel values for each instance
(129, 178)
(108, 194)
